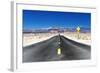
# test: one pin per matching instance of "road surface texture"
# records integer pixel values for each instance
(47, 50)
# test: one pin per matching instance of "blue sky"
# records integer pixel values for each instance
(33, 19)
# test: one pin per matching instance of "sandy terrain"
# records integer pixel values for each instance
(29, 39)
(84, 38)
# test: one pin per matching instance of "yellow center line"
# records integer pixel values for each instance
(59, 51)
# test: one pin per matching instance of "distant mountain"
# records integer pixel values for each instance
(85, 29)
(82, 29)
(56, 29)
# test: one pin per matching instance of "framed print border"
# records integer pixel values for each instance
(16, 36)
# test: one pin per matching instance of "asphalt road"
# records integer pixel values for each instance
(47, 50)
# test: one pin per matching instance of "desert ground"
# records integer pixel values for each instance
(32, 38)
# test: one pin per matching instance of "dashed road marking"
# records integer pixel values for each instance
(59, 51)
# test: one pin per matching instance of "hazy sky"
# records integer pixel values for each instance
(33, 19)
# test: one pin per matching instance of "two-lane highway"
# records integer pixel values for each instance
(47, 50)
